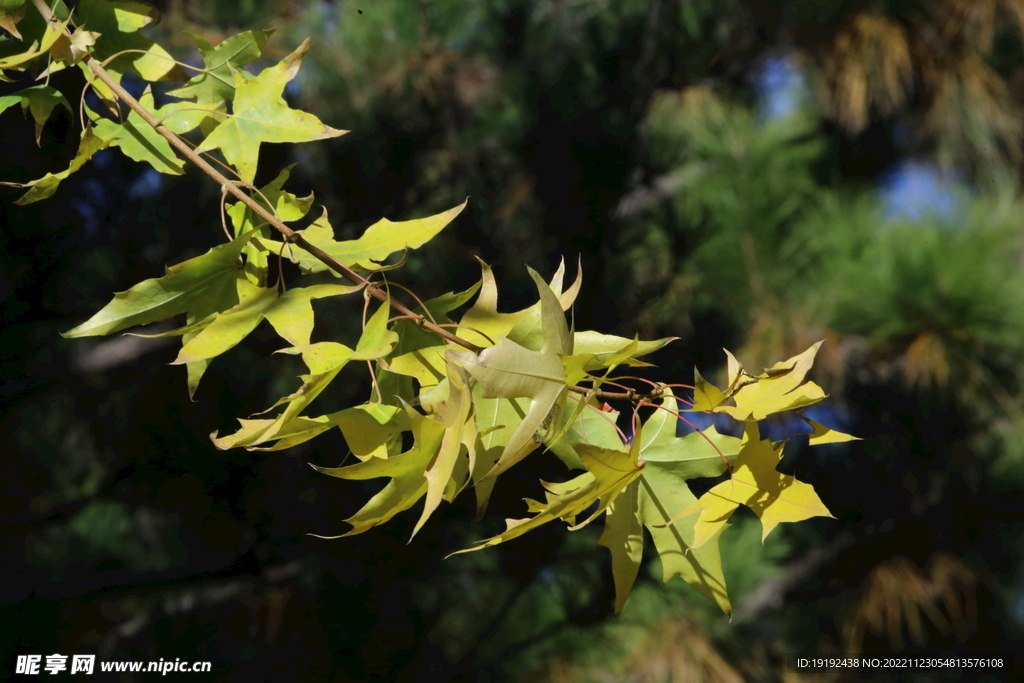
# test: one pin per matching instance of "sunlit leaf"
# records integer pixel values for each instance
(69, 50)
(608, 473)
(199, 287)
(529, 328)
(118, 24)
(140, 141)
(406, 471)
(496, 422)
(483, 316)
(260, 114)
(455, 413)
(654, 500)
(280, 203)
(291, 315)
(823, 434)
(605, 346)
(380, 240)
(780, 388)
(774, 497)
(37, 49)
(507, 370)
(217, 84)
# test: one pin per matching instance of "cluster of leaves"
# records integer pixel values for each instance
(450, 410)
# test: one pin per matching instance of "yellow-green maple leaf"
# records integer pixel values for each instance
(780, 388)
(291, 315)
(508, 370)
(496, 422)
(216, 84)
(455, 413)
(774, 497)
(324, 360)
(380, 240)
(198, 287)
(483, 315)
(609, 471)
(406, 470)
(118, 24)
(140, 141)
(655, 498)
(607, 348)
(260, 114)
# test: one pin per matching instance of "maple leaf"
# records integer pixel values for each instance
(39, 100)
(780, 388)
(117, 25)
(380, 240)
(140, 141)
(260, 114)
(291, 315)
(653, 500)
(609, 471)
(198, 287)
(285, 205)
(69, 50)
(418, 355)
(369, 429)
(508, 370)
(706, 396)
(496, 422)
(406, 470)
(455, 413)
(216, 84)
(529, 328)
(575, 370)
(606, 347)
(589, 426)
(51, 32)
(426, 366)
(823, 434)
(483, 315)
(413, 336)
(774, 497)
(324, 360)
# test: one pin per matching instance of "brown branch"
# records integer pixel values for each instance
(229, 186)
(290, 235)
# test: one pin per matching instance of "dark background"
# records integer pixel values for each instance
(749, 175)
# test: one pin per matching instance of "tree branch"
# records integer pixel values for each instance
(230, 187)
(290, 235)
